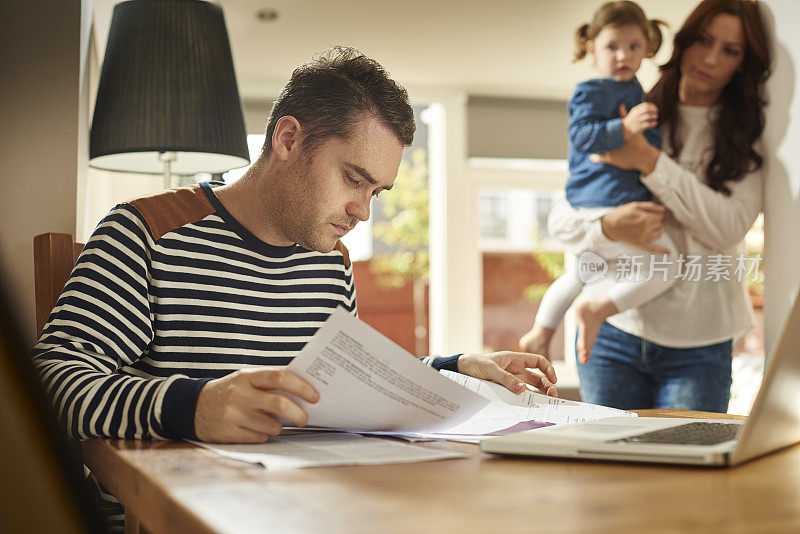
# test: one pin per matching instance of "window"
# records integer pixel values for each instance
(493, 213)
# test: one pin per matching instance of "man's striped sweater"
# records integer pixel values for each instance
(172, 291)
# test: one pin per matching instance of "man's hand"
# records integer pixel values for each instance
(636, 223)
(640, 118)
(512, 370)
(245, 406)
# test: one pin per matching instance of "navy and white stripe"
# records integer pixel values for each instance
(144, 322)
(139, 315)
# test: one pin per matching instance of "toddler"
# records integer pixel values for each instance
(619, 37)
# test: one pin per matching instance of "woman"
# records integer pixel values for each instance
(675, 351)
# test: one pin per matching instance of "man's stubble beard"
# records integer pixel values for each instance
(309, 239)
(292, 220)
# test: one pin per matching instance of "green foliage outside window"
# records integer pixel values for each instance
(553, 265)
(406, 232)
(406, 227)
(755, 280)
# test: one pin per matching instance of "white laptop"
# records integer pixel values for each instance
(774, 423)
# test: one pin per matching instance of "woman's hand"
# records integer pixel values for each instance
(636, 154)
(636, 223)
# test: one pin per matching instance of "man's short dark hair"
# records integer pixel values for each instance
(330, 93)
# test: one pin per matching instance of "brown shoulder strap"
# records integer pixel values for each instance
(167, 210)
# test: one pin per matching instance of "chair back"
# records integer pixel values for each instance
(54, 256)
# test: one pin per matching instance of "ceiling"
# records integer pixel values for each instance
(503, 48)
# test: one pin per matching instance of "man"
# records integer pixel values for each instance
(181, 302)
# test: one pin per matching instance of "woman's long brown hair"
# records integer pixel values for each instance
(740, 120)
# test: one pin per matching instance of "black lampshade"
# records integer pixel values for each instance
(168, 85)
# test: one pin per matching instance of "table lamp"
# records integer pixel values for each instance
(168, 100)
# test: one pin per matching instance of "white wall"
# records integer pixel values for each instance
(782, 170)
(44, 133)
(516, 128)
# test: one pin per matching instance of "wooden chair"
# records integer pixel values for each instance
(54, 256)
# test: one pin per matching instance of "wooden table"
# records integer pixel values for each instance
(177, 487)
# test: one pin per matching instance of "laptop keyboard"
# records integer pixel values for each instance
(688, 434)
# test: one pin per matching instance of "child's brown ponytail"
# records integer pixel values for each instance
(581, 42)
(655, 36)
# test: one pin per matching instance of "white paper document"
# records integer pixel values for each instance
(369, 384)
(531, 405)
(326, 450)
(507, 412)
(366, 382)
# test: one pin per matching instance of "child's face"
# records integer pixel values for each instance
(618, 51)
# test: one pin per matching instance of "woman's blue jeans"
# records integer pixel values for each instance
(628, 372)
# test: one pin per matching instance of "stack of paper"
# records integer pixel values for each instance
(367, 383)
(326, 450)
(509, 412)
